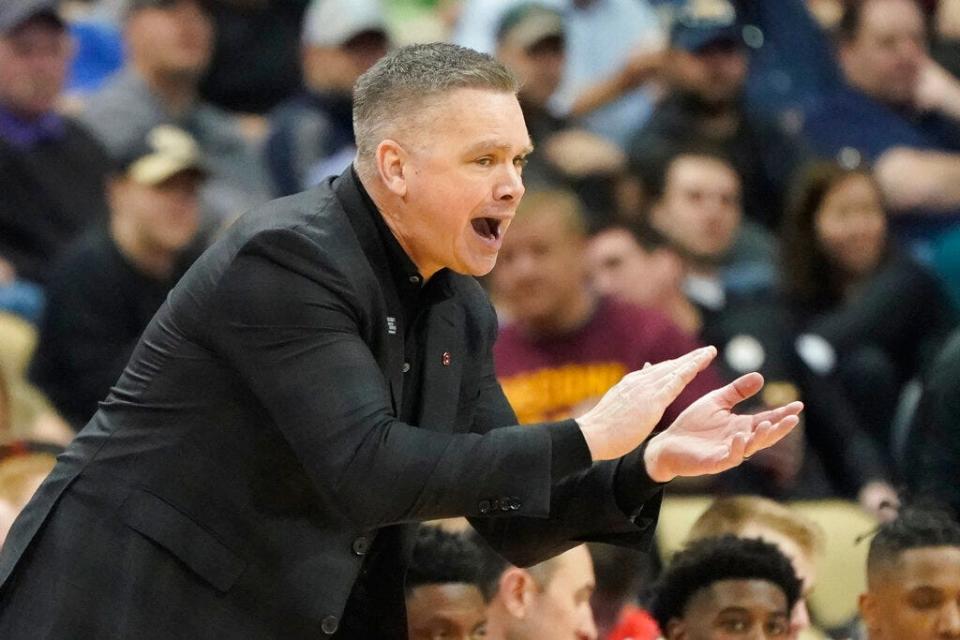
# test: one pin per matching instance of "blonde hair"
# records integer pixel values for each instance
(733, 515)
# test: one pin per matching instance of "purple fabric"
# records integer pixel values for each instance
(26, 134)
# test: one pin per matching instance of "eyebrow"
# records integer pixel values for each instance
(499, 146)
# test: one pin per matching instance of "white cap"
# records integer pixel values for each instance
(330, 23)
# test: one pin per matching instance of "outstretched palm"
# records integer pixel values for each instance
(709, 438)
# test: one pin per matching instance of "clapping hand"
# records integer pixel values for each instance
(709, 438)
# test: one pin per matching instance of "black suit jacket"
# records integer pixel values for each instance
(233, 481)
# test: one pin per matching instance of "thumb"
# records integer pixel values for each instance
(739, 390)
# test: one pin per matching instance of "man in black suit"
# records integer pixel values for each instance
(322, 378)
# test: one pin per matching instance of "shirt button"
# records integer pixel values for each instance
(329, 625)
(515, 504)
(504, 504)
(406, 367)
(414, 279)
(484, 507)
(361, 546)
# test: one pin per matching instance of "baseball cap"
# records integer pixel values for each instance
(14, 13)
(164, 152)
(331, 23)
(701, 23)
(528, 24)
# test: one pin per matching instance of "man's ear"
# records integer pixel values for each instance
(517, 591)
(391, 159)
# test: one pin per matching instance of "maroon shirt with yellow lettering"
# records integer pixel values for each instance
(557, 377)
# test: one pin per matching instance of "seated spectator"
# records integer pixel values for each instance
(726, 587)
(611, 44)
(169, 43)
(564, 347)
(731, 280)
(800, 539)
(547, 600)
(311, 135)
(932, 448)
(444, 590)
(637, 264)
(900, 113)
(707, 69)
(532, 43)
(109, 285)
(51, 169)
(913, 579)
(883, 317)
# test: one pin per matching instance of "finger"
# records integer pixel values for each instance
(739, 390)
(738, 449)
(698, 359)
(671, 385)
(778, 414)
(765, 437)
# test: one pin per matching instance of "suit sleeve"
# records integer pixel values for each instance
(614, 501)
(291, 328)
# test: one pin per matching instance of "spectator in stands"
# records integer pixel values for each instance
(547, 600)
(311, 135)
(913, 579)
(622, 575)
(108, 286)
(445, 595)
(51, 169)
(727, 587)
(707, 69)
(564, 346)
(932, 453)
(900, 112)
(169, 44)
(731, 280)
(635, 263)
(881, 315)
(800, 539)
(531, 42)
(614, 48)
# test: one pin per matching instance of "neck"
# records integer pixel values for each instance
(150, 260)
(389, 207)
(571, 316)
(177, 91)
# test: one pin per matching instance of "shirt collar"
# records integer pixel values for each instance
(27, 134)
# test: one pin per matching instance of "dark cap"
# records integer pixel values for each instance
(164, 152)
(701, 23)
(529, 24)
(14, 13)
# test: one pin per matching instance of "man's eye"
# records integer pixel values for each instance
(484, 162)
(521, 162)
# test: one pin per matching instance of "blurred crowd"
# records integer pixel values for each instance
(779, 178)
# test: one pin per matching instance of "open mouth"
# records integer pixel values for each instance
(488, 228)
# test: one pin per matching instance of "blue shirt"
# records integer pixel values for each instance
(27, 134)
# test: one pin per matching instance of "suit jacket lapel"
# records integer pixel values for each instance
(390, 358)
(444, 354)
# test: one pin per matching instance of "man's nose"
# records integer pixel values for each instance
(588, 628)
(509, 187)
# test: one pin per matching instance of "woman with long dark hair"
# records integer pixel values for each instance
(865, 309)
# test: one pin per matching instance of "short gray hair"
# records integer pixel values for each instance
(400, 84)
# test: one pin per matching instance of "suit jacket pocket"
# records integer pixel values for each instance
(179, 534)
